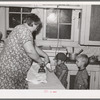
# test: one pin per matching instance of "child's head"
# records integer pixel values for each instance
(60, 58)
(82, 61)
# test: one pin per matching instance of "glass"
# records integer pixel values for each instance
(51, 27)
(52, 16)
(26, 9)
(24, 18)
(65, 16)
(51, 31)
(65, 32)
(14, 9)
(95, 23)
(14, 19)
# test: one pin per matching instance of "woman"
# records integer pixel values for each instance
(18, 53)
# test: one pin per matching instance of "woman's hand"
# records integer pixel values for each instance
(43, 55)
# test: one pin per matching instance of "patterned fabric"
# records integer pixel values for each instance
(79, 80)
(14, 62)
(1, 46)
(59, 70)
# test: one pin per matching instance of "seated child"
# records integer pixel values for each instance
(61, 69)
(82, 74)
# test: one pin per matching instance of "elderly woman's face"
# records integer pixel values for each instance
(33, 27)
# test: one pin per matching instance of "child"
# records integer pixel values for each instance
(61, 69)
(82, 75)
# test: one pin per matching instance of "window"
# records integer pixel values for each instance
(61, 23)
(16, 16)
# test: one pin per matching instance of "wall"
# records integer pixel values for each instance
(89, 50)
(3, 21)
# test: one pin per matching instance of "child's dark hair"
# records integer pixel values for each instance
(61, 56)
(84, 58)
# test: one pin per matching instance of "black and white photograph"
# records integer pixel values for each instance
(50, 46)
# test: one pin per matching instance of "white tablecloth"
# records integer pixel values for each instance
(52, 82)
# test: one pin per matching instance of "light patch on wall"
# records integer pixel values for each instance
(52, 18)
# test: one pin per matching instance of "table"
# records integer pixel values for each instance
(52, 82)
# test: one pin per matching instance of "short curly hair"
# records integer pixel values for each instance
(61, 56)
(84, 58)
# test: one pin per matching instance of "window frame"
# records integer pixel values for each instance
(74, 24)
(7, 16)
(41, 40)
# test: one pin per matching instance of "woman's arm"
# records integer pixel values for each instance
(31, 51)
(42, 54)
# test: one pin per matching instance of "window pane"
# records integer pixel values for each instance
(53, 23)
(26, 9)
(24, 18)
(51, 27)
(95, 23)
(14, 9)
(51, 31)
(14, 19)
(65, 16)
(52, 16)
(65, 31)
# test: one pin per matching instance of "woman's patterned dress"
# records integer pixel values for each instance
(1, 45)
(14, 61)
